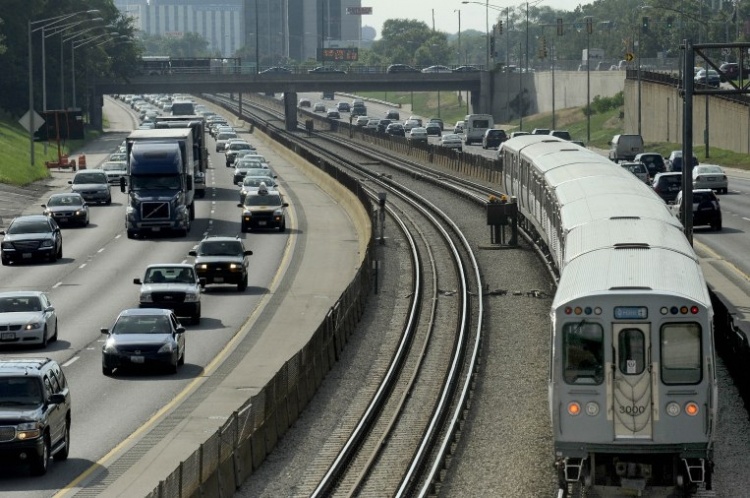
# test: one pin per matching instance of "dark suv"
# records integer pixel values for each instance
(34, 412)
(493, 137)
(667, 185)
(222, 260)
(653, 161)
(706, 208)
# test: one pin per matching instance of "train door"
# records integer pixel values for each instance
(632, 383)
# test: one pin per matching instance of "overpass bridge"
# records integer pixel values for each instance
(478, 83)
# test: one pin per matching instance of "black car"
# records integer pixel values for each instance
(493, 138)
(667, 185)
(31, 237)
(222, 260)
(434, 128)
(396, 130)
(653, 161)
(343, 107)
(675, 161)
(263, 209)
(401, 68)
(67, 209)
(706, 208)
(383, 124)
(35, 412)
(142, 337)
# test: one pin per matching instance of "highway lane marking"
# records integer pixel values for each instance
(71, 361)
(194, 384)
(82, 266)
(746, 219)
(100, 250)
(58, 284)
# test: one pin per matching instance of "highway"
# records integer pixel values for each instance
(94, 281)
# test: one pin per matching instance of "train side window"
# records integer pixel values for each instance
(583, 353)
(681, 353)
(631, 352)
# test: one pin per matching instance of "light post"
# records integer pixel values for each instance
(589, 29)
(73, 46)
(458, 58)
(43, 23)
(61, 30)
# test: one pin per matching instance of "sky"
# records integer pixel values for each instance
(472, 15)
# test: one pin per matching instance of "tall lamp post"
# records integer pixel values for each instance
(33, 27)
(74, 44)
(63, 30)
(458, 58)
(589, 30)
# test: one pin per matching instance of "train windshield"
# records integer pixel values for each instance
(681, 353)
(583, 353)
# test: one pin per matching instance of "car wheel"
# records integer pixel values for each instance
(60, 253)
(53, 256)
(108, 201)
(282, 227)
(57, 329)
(45, 339)
(40, 463)
(65, 450)
(173, 367)
(5, 261)
(242, 285)
(717, 226)
(181, 361)
(192, 211)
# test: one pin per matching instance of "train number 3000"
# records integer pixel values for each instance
(632, 410)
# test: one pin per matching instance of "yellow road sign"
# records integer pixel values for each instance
(629, 57)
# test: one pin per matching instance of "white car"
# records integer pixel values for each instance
(710, 176)
(451, 141)
(172, 286)
(115, 170)
(27, 317)
(437, 69)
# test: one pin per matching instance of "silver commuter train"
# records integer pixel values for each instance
(632, 381)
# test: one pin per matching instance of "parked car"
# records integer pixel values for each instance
(493, 137)
(706, 208)
(667, 185)
(174, 287)
(653, 161)
(140, 337)
(30, 237)
(68, 208)
(437, 69)
(93, 185)
(222, 260)
(451, 141)
(638, 169)
(401, 68)
(710, 176)
(27, 318)
(674, 161)
(36, 413)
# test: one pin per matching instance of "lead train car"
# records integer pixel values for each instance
(632, 390)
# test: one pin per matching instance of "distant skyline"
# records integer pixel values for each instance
(473, 15)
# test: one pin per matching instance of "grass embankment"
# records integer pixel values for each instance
(15, 161)
(605, 122)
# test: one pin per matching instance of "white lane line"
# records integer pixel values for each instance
(82, 266)
(746, 219)
(100, 250)
(58, 284)
(71, 361)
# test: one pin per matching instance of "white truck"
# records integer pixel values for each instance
(475, 125)
(594, 54)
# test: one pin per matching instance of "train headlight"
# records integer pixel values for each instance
(597, 311)
(592, 409)
(691, 409)
(673, 409)
(664, 310)
(574, 408)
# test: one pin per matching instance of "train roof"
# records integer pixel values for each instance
(578, 169)
(622, 232)
(519, 143)
(651, 270)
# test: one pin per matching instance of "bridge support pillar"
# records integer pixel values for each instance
(290, 110)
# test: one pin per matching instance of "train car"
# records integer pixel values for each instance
(632, 381)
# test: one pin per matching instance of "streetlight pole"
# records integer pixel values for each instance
(589, 29)
(458, 58)
(50, 21)
(487, 28)
(73, 47)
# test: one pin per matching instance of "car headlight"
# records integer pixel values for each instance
(80, 212)
(46, 243)
(6, 245)
(33, 326)
(147, 298)
(168, 347)
(235, 266)
(110, 347)
(202, 266)
(192, 297)
(129, 210)
(28, 430)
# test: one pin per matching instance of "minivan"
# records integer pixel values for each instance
(625, 147)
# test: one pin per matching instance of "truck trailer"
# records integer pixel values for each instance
(159, 182)
(197, 124)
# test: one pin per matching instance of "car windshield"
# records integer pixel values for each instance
(709, 169)
(35, 226)
(169, 275)
(263, 200)
(141, 325)
(671, 180)
(240, 146)
(20, 391)
(256, 181)
(113, 166)
(90, 178)
(20, 304)
(222, 248)
(65, 200)
(155, 182)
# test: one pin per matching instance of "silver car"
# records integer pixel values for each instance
(172, 286)
(93, 185)
(710, 176)
(27, 317)
(451, 141)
